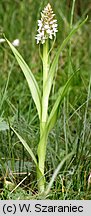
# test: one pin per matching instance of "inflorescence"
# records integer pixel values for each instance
(47, 25)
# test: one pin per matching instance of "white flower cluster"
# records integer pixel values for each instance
(47, 25)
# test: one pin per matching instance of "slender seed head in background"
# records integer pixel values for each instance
(47, 25)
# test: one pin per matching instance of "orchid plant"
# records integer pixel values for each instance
(47, 29)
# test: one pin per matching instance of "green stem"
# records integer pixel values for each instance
(43, 132)
(45, 76)
(45, 62)
(70, 48)
(69, 72)
(41, 162)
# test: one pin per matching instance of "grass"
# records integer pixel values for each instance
(72, 130)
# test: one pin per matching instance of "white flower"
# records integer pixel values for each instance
(2, 40)
(16, 42)
(47, 25)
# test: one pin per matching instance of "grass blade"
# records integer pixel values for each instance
(56, 172)
(34, 88)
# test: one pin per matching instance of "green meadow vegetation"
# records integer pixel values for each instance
(67, 167)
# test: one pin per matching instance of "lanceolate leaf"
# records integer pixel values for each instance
(61, 93)
(52, 120)
(55, 61)
(25, 145)
(34, 88)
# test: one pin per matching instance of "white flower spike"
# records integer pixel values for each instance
(47, 25)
